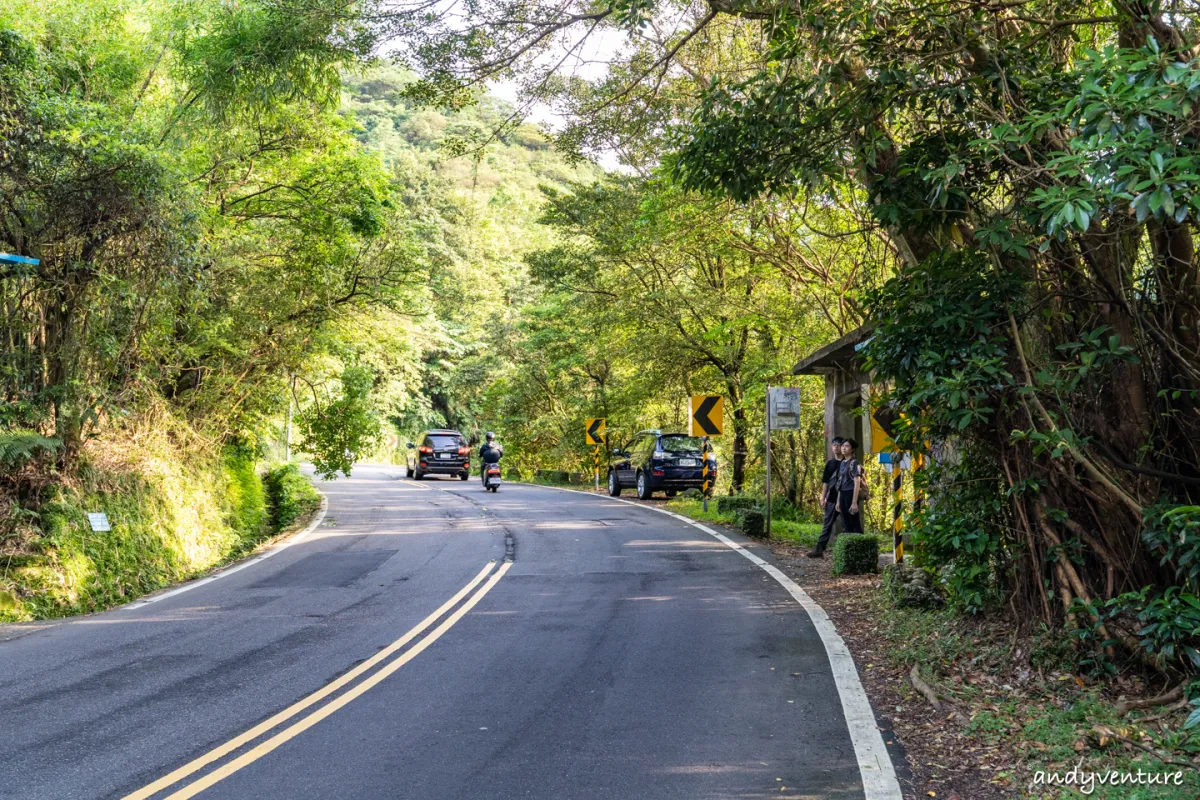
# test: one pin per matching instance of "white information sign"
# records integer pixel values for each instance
(99, 521)
(784, 407)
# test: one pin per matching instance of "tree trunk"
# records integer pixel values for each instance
(741, 427)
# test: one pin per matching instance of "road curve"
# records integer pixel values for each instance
(396, 653)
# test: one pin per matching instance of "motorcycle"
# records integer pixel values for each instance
(491, 477)
(490, 474)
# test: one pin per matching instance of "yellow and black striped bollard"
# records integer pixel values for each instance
(918, 496)
(897, 509)
(707, 490)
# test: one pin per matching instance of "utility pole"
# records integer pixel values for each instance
(767, 425)
(287, 436)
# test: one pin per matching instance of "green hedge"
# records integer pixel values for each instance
(290, 495)
(855, 554)
(753, 523)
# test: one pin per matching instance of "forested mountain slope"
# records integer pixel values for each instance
(477, 217)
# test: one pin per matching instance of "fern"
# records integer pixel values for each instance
(18, 446)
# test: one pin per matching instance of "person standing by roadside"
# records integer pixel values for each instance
(849, 480)
(828, 499)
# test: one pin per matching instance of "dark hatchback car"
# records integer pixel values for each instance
(656, 461)
(440, 452)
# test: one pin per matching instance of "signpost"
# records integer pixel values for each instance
(595, 434)
(707, 418)
(783, 414)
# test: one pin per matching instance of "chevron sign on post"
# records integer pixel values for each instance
(707, 417)
(594, 432)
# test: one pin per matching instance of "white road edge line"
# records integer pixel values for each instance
(224, 573)
(874, 763)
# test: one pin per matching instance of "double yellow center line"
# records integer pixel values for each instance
(305, 722)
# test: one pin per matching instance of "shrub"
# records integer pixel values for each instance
(731, 504)
(246, 506)
(693, 494)
(1171, 624)
(289, 495)
(1172, 535)
(962, 535)
(855, 554)
(19, 446)
(753, 523)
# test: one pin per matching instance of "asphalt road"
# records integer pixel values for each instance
(621, 654)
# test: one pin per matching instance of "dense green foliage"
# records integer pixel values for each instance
(235, 241)
(199, 209)
(289, 496)
(476, 218)
(343, 430)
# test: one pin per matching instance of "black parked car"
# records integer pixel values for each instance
(656, 461)
(441, 452)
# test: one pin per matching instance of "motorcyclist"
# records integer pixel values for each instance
(489, 453)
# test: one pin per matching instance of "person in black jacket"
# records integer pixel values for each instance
(489, 453)
(828, 498)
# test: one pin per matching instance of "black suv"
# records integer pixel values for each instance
(440, 453)
(656, 461)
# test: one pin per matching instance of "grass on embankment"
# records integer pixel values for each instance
(804, 534)
(173, 518)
